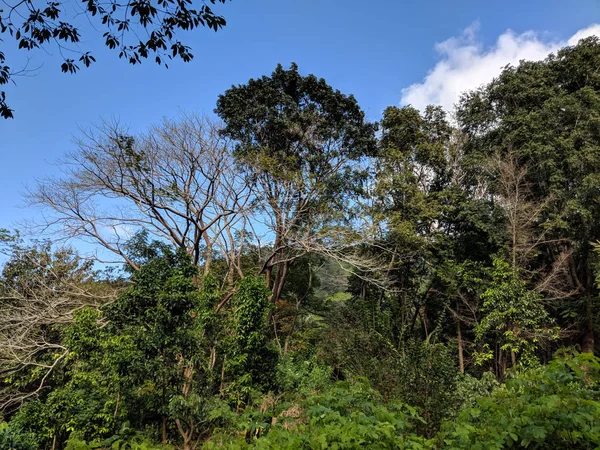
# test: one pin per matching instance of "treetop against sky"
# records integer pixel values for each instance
(384, 53)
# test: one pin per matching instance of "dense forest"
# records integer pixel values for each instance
(286, 274)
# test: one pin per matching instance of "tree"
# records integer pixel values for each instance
(513, 321)
(251, 362)
(162, 334)
(36, 24)
(299, 142)
(439, 231)
(546, 113)
(411, 177)
(41, 290)
(178, 182)
(158, 357)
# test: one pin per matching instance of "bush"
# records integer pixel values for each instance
(344, 416)
(302, 375)
(126, 439)
(469, 390)
(14, 439)
(422, 374)
(551, 407)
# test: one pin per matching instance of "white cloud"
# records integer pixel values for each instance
(465, 64)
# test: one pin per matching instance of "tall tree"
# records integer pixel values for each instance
(547, 114)
(439, 232)
(411, 174)
(300, 142)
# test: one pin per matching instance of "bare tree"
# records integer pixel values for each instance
(527, 235)
(178, 181)
(181, 182)
(40, 291)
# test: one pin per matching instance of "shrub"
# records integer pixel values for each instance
(344, 416)
(552, 407)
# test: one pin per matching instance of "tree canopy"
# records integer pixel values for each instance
(299, 141)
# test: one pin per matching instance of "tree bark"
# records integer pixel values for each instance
(207, 255)
(461, 361)
(282, 272)
(588, 341)
(268, 277)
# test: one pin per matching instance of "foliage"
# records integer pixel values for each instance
(345, 415)
(301, 376)
(41, 289)
(421, 374)
(251, 362)
(469, 389)
(544, 115)
(299, 142)
(427, 379)
(126, 439)
(154, 324)
(288, 123)
(439, 233)
(552, 407)
(12, 439)
(161, 21)
(132, 366)
(513, 318)
(470, 253)
(413, 168)
(298, 133)
(31, 267)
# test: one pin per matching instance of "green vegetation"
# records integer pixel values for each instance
(555, 406)
(298, 277)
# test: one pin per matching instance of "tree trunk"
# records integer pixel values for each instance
(282, 272)
(268, 277)
(461, 361)
(424, 320)
(207, 257)
(588, 341)
(117, 406)
(187, 436)
(222, 384)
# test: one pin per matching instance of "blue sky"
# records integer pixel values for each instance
(373, 49)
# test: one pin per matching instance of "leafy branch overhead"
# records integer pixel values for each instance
(137, 29)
